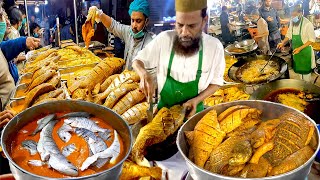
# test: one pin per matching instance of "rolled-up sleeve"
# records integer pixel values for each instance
(150, 54)
(217, 70)
(120, 30)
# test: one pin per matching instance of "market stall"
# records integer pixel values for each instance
(79, 114)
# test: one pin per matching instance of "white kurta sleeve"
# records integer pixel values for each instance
(309, 33)
(217, 70)
(150, 54)
(289, 32)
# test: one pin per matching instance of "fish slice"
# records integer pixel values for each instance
(267, 62)
(150, 110)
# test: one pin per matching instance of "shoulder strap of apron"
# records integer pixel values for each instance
(199, 70)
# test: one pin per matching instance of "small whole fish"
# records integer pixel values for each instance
(112, 152)
(96, 144)
(64, 132)
(30, 145)
(67, 150)
(82, 122)
(105, 135)
(50, 153)
(75, 114)
(37, 163)
(43, 122)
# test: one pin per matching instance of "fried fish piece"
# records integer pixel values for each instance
(256, 170)
(241, 153)
(164, 124)
(207, 136)
(293, 161)
(133, 171)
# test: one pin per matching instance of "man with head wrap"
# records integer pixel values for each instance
(190, 64)
(301, 32)
(135, 36)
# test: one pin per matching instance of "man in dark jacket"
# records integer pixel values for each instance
(225, 26)
(271, 16)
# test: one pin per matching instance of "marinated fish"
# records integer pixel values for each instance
(136, 113)
(112, 152)
(31, 146)
(43, 122)
(132, 98)
(69, 149)
(118, 93)
(256, 170)
(164, 124)
(82, 122)
(96, 144)
(75, 114)
(207, 136)
(51, 94)
(64, 132)
(50, 153)
(241, 153)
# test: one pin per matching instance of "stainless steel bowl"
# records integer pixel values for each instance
(246, 44)
(270, 111)
(30, 114)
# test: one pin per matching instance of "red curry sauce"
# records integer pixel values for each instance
(21, 156)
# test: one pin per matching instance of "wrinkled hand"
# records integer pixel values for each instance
(146, 85)
(5, 117)
(296, 51)
(269, 18)
(32, 43)
(191, 107)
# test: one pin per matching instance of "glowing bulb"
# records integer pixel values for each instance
(46, 2)
(36, 9)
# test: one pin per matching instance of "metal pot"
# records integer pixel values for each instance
(246, 44)
(270, 111)
(30, 114)
(235, 67)
(266, 89)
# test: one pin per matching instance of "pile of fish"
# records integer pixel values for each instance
(237, 143)
(78, 123)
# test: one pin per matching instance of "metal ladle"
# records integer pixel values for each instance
(267, 62)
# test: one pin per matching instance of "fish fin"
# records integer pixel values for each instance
(37, 163)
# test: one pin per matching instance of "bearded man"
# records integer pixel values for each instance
(190, 64)
(301, 32)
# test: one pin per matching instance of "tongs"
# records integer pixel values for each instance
(267, 62)
(150, 110)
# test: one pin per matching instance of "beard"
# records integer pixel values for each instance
(186, 46)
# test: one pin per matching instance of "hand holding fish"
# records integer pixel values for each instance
(191, 107)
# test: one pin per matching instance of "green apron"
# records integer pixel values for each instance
(302, 60)
(175, 92)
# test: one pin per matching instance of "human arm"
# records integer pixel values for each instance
(119, 30)
(192, 103)
(12, 48)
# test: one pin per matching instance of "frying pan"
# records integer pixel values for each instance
(311, 110)
(235, 67)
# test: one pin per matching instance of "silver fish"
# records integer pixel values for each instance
(67, 150)
(64, 132)
(96, 144)
(36, 163)
(112, 152)
(50, 153)
(82, 122)
(43, 122)
(105, 135)
(30, 145)
(75, 114)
